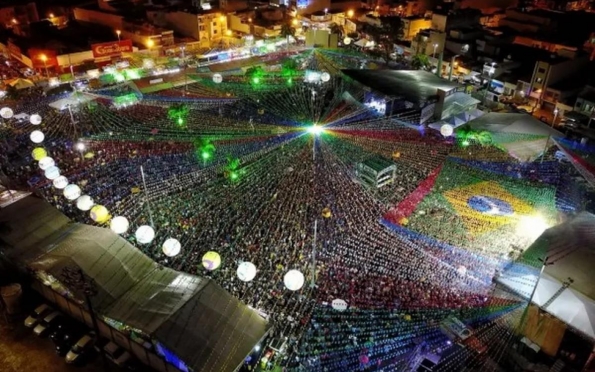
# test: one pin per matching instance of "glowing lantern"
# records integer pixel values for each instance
(72, 192)
(211, 260)
(246, 271)
(119, 225)
(37, 136)
(46, 162)
(396, 155)
(6, 112)
(325, 76)
(408, 317)
(404, 221)
(39, 153)
(260, 111)
(171, 247)
(462, 270)
(60, 182)
(99, 214)
(293, 280)
(446, 130)
(339, 305)
(52, 173)
(326, 213)
(217, 78)
(364, 359)
(144, 234)
(84, 202)
(35, 119)
(347, 40)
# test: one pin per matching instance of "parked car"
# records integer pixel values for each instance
(81, 350)
(64, 338)
(39, 313)
(116, 354)
(48, 324)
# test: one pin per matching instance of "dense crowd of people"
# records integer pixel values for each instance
(399, 284)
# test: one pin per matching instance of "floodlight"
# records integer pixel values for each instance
(315, 129)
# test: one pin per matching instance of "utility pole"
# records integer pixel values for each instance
(313, 283)
(142, 172)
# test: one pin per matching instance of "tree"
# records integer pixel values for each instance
(336, 29)
(386, 35)
(286, 31)
(420, 62)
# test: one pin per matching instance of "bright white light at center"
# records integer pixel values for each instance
(315, 129)
(532, 226)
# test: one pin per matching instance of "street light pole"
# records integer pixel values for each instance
(544, 263)
(434, 54)
(555, 117)
(313, 282)
(118, 32)
(142, 172)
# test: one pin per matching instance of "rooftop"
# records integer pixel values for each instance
(378, 163)
(413, 85)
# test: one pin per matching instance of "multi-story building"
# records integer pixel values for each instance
(548, 72)
(413, 25)
(205, 26)
(534, 21)
(18, 16)
(462, 18)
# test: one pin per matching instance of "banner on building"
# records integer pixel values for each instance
(43, 58)
(111, 49)
(14, 50)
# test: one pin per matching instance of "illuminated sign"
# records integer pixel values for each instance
(111, 49)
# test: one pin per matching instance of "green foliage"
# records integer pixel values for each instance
(178, 112)
(420, 62)
(289, 67)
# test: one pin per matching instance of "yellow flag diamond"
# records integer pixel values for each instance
(486, 206)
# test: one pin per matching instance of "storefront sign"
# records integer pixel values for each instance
(111, 49)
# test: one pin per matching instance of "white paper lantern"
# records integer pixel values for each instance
(293, 280)
(325, 76)
(462, 270)
(6, 112)
(119, 225)
(37, 136)
(35, 119)
(144, 234)
(60, 182)
(246, 271)
(347, 41)
(446, 130)
(52, 173)
(217, 78)
(84, 202)
(45, 163)
(171, 247)
(339, 304)
(72, 192)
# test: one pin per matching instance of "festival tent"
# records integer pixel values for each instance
(564, 287)
(21, 83)
(191, 319)
(72, 99)
(459, 119)
(521, 135)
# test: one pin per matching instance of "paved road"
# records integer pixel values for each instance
(22, 351)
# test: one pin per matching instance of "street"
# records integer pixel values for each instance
(22, 351)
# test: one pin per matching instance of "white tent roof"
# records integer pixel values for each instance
(72, 100)
(570, 252)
